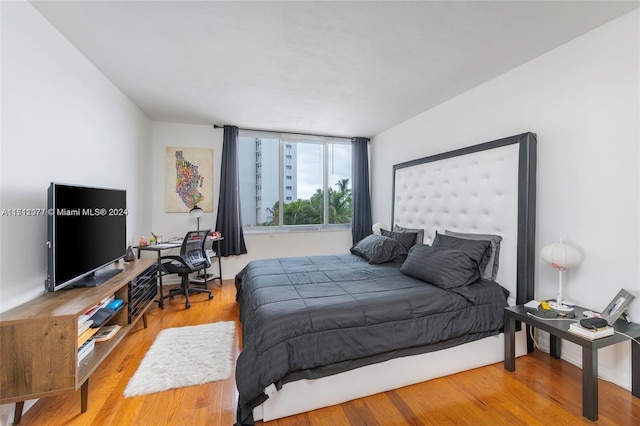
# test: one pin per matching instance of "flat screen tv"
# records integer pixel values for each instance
(87, 230)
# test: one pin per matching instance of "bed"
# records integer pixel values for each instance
(322, 330)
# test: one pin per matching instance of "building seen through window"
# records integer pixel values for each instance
(310, 177)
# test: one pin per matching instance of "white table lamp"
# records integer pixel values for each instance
(561, 256)
(377, 226)
(196, 213)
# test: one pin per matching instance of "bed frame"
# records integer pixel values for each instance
(489, 189)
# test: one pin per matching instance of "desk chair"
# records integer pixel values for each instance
(193, 257)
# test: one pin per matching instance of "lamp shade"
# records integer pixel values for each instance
(196, 212)
(377, 227)
(561, 256)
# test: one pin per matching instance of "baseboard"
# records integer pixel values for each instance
(611, 360)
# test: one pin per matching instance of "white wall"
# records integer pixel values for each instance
(582, 100)
(189, 136)
(259, 246)
(63, 121)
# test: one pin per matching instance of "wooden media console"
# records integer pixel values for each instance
(39, 354)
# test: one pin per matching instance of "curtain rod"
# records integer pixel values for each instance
(216, 126)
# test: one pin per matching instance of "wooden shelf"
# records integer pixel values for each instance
(39, 354)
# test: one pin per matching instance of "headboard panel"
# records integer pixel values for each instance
(486, 189)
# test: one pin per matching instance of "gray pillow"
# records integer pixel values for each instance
(491, 271)
(445, 268)
(420, 232)
(407, 239)
(379, 249)
(478, 250)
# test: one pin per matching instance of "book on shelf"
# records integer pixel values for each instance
(84, 326)
(591, 333)
(86, 335)
(89, 312)
(92, 310)
(83, 318)
(107, 333)
(85, 349)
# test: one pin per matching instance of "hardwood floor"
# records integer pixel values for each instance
(541, 391)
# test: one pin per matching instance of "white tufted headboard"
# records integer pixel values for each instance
(485, 189)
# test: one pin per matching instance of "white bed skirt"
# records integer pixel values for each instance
(306, 395)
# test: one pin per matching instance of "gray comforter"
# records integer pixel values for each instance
(314, 316)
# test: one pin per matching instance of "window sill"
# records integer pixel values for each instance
(253, 230)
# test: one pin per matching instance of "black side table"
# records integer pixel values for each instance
(559, 329)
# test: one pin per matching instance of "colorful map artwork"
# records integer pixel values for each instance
(188, 181)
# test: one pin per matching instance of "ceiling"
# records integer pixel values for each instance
(336, 68)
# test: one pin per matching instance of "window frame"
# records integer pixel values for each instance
(285, 140)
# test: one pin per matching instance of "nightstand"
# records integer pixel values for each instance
(558, 330)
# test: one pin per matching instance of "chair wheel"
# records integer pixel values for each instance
(187, 306)
(210, 296)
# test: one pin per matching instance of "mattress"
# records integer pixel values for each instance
(307, 317)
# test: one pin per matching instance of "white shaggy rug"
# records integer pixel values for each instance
(185, 356)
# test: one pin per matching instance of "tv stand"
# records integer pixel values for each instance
(96, 278)
(39, 354)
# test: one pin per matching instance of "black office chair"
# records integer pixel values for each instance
(193, 258)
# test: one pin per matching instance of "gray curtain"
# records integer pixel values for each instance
(229, 221)
(361, 226)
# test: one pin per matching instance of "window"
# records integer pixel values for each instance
(309, 177)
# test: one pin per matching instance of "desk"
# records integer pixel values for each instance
(158, 248)
(559, 329)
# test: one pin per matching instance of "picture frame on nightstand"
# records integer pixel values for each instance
(617, 306)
